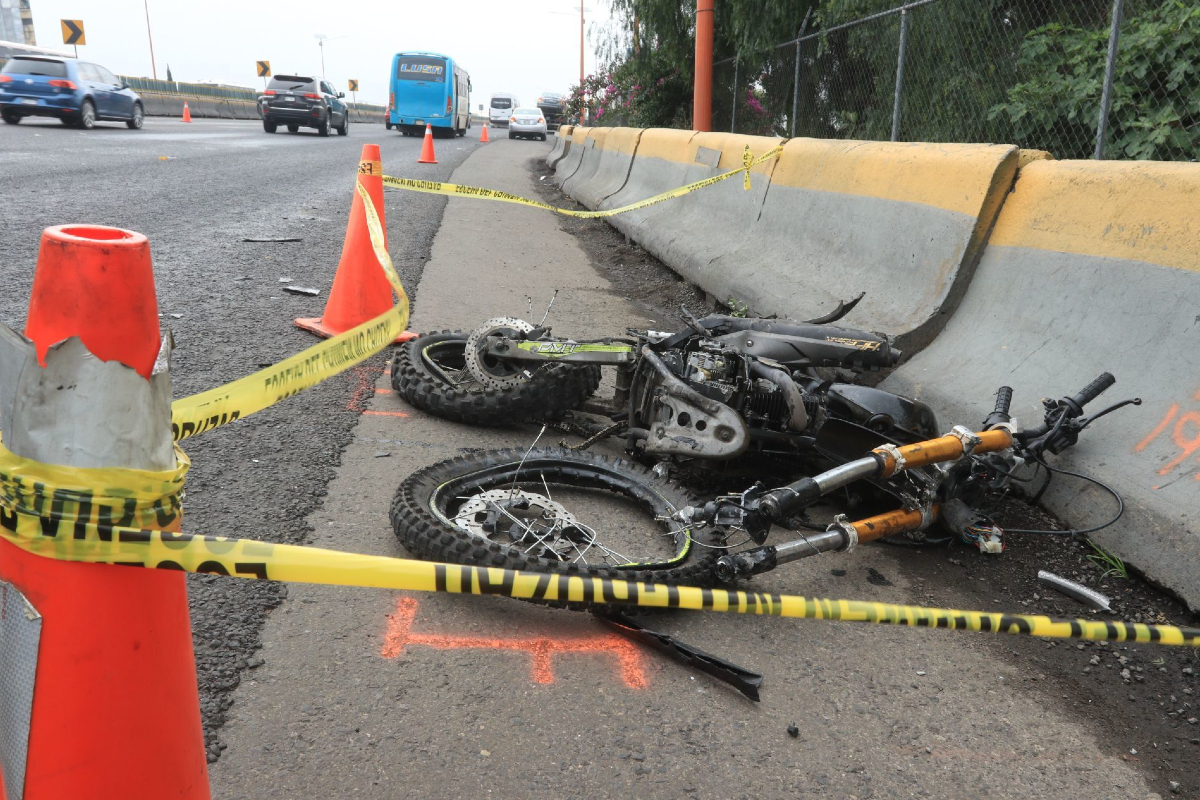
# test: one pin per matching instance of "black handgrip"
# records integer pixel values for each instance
(1003, 399)
(1091, 392)
(1000, 415)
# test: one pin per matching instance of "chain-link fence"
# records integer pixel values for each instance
(1027, 72)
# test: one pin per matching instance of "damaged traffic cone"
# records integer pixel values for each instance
(113, 673)
(187, 114)
(427, 156)
(484, 138)
(360, 290)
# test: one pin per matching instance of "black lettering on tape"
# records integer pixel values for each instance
(213, 568)
(175, 540)
(256, 569)
(83, 515)
(219, 545)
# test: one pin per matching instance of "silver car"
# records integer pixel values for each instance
(527, 122)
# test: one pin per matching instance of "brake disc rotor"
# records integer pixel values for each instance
(520, 517)
(495, 373)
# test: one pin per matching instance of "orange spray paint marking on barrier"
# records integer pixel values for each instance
(1187, 442)
(540, 648)
(1162, 426)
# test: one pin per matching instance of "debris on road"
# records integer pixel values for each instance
(1076, 591)
(273, 241)
(302, 290)
(744, 680)
(793, 731)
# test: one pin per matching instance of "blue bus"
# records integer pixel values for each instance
(428, 89)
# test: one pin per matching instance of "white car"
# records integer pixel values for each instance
(527, 122)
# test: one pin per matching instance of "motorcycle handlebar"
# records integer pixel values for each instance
(1089, 393)
(1003, 400)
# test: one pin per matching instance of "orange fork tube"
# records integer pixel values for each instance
(893, 522)
(944, 448)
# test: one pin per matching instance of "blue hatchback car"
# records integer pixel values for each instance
(76, 92)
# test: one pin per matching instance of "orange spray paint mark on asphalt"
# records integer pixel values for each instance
(540, 648)
(364, 387)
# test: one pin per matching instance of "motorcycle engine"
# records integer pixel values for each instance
(722, 375)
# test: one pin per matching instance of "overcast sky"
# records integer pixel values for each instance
(522, 47)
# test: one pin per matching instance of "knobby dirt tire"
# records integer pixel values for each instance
(418, 526)
(553, 389)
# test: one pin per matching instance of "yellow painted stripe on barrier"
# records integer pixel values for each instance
(666, 144)
(67, 539)
(952, 177)
(1131, 210)
(457, 190)
(731, 146)
(216, 407)
(620, 140)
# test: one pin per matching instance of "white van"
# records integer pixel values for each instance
(500, 108)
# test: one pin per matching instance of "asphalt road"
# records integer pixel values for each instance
(196, 190)
(385, 694)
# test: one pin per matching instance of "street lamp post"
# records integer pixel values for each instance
(153, 66)
(321, 40)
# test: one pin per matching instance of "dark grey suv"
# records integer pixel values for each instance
(300, 102)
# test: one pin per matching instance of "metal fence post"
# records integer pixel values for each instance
(733, 116)
(1110, 68)
(796, 77)
(900, 74)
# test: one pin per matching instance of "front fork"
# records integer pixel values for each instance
(840, 536)
(882, 462)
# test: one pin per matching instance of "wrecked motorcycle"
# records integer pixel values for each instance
(530, 509)
(721, 388)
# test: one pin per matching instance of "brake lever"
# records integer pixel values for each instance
(1135, 401)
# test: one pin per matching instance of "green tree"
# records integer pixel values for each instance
(1155, 110)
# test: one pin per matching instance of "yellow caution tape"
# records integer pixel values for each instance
(245, 396)
(458, 190)
(58, 512)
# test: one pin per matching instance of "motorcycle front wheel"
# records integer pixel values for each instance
(555, 511)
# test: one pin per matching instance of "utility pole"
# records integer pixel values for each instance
(153, 66)
(702, 93)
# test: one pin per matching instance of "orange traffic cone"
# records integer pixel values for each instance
(187, 114)
(360, 290)
(427, 156)
(115, 671)
(484, 137)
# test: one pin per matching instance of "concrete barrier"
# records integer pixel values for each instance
(611, 160)
(688, 232)
(660, 163)
(157, 104)
(570, 162)
(1093, 266)
(562, 138)
(589, 160)
(904, 223)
